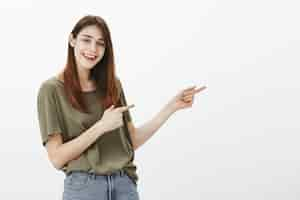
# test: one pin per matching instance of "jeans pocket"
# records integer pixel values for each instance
(77, 181)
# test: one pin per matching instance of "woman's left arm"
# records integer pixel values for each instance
(183, 99)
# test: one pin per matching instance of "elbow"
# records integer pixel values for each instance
(55, 161)
(135, 145)
(57, 165)
(134, 148)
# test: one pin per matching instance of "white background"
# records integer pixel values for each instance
(240, 140)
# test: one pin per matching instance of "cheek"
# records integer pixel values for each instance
(77, 53)
(101, 54)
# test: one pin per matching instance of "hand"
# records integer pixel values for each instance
(112, 117)
(184, 98)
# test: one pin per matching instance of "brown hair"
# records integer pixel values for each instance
(103, 73)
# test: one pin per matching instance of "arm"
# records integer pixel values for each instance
(141, 134)
(60, 153)
(184, 99)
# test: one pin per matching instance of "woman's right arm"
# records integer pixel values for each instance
(61, 153)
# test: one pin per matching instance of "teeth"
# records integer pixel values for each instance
(90, 57)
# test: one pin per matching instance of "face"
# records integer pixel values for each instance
(88, 47)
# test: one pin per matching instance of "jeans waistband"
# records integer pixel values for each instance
(119, 172)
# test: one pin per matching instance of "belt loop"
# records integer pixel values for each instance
(92, 175)
(68, 174)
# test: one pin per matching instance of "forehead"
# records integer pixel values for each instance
(93, 31)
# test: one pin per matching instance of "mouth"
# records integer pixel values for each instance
(89, 57)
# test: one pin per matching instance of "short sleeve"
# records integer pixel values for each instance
(126, 114)
(48, 116)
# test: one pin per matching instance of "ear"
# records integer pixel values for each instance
(71, 40)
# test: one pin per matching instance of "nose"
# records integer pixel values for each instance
(93, 47)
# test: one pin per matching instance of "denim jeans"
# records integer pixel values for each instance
(79, 185)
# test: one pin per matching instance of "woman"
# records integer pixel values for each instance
(85, 122)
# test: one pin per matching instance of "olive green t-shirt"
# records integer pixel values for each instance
(110, 152)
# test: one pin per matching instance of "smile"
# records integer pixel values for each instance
(89, 57)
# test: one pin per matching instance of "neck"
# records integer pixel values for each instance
(83, 76)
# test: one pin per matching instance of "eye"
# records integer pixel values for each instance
(85, 40)
(100, 44)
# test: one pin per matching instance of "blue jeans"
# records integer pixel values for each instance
(79, 185)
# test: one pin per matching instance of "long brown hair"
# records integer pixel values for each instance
(103, 73)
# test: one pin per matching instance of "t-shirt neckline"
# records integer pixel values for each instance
(83, 92)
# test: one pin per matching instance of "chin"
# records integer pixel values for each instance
(87, 67)
(90, 67)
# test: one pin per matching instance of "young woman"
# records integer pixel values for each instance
(85, 122)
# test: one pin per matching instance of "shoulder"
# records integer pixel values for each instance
(117, 79)
(48, 87)
(118, 83)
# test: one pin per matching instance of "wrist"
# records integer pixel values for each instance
(170, 109)
(99, 128)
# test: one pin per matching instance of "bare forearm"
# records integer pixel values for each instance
(74, 148)
(144, 132)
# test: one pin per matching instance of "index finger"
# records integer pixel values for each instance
(125, 108)
(199, 89)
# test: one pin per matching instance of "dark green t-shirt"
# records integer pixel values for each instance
(110, 152)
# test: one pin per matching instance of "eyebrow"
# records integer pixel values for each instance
(100, 39)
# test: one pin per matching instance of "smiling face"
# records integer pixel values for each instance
(88, 47)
